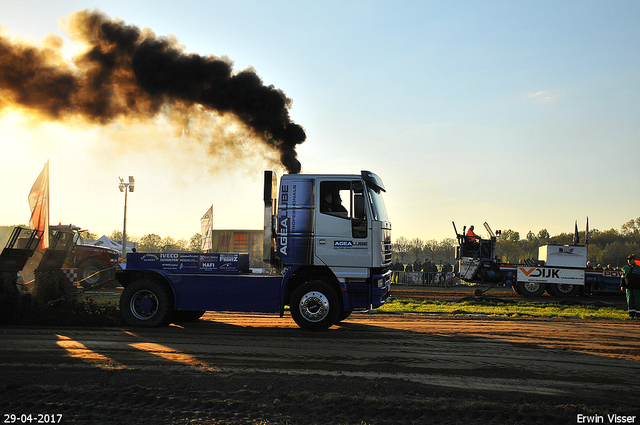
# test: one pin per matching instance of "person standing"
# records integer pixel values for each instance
(425, 271)
(432, 271)
(396, 269)
(631, 284)
(447, 272)
(417, 265)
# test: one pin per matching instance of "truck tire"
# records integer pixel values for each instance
(315, 306)
(146, 303)
(531, 289)
(92, 273)
(563, 291)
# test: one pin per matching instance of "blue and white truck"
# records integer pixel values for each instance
(327, 237)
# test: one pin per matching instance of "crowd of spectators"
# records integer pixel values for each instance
(424, 273)
(599, 267)
(430, 273)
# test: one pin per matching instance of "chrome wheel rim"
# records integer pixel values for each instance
(314, 306)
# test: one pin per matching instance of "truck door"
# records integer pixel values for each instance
(342, 234)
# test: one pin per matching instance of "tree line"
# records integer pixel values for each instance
(408, 250)
(153, 242)
(609, 247)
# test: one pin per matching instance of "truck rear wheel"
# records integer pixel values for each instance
(146, 303)
(315, 306)
(563, 291)
(530, 289)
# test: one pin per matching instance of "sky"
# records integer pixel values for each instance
(525, 115)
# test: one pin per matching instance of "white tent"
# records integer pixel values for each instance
(107, 243)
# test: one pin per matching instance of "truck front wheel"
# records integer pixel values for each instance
(315, 306)
(146, 303)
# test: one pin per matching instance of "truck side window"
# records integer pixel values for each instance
(346, 200)
(335, 198)
(359, 220)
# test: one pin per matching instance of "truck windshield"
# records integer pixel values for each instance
(377, 205)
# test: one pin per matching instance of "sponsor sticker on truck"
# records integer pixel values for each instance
(563, 276)
(342, 244)
(178, 262)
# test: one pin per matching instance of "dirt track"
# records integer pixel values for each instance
(374, 368)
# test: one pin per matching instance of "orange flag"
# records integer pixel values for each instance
(39, 204)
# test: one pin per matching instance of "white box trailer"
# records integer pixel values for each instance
(557, 264)
(563, 255)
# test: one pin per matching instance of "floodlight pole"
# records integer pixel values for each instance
(125, 187)
(124, 228)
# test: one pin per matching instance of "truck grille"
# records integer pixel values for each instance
(386, 254)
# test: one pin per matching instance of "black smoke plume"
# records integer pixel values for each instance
(128, 73)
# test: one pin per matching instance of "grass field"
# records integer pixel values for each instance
(500, 301)
(497, 308)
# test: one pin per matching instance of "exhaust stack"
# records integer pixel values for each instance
(270, 208)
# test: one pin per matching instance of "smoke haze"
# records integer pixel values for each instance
(129, 75)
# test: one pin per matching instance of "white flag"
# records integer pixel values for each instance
(206, 226)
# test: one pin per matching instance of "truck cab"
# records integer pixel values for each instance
(335, 228)
(476, 257)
